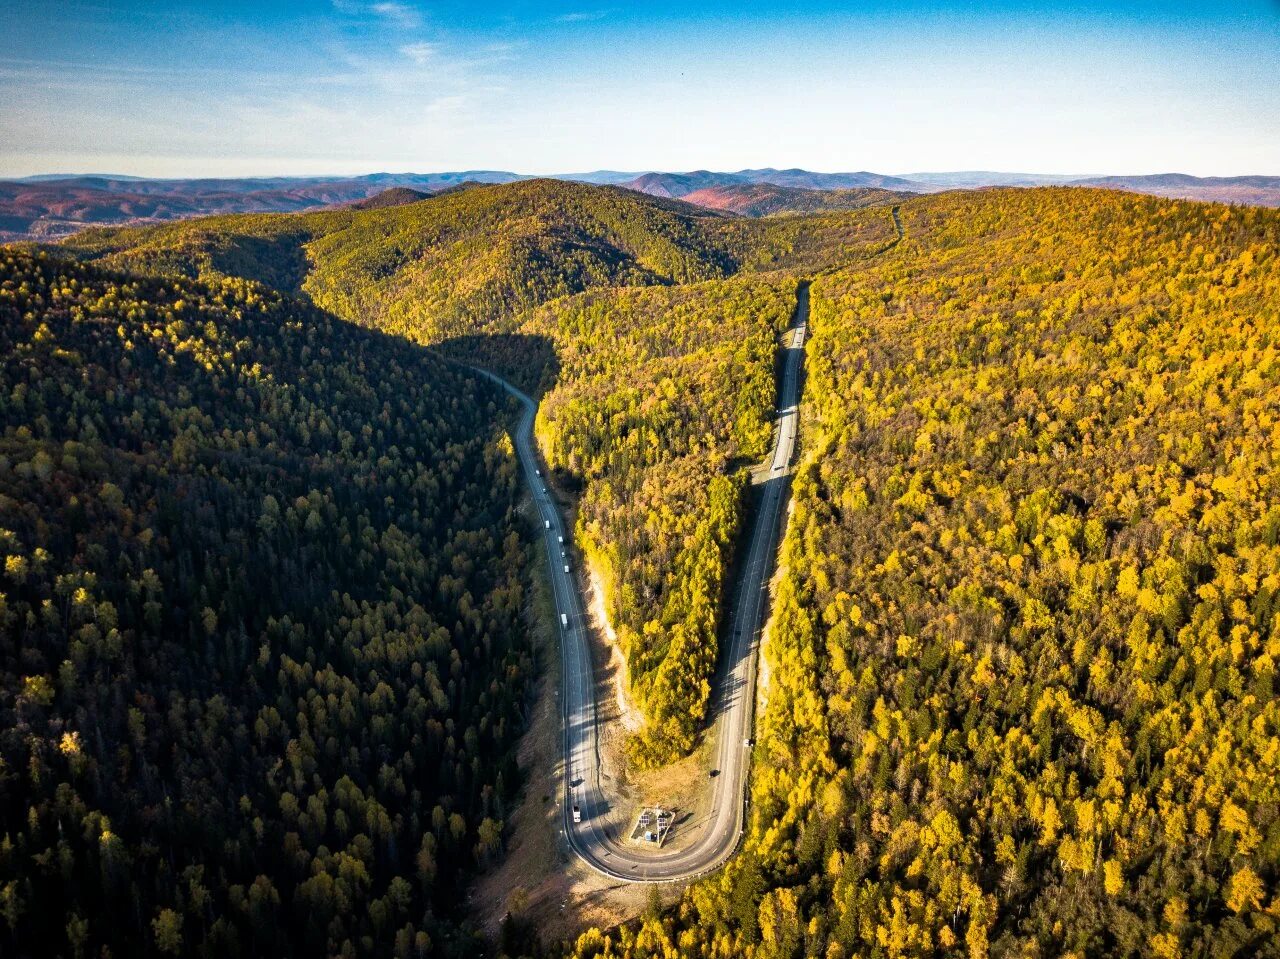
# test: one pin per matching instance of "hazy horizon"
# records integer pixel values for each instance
(921, 174)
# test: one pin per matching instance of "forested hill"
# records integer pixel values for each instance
(1023, 696)
(262, 664)
(459, 263)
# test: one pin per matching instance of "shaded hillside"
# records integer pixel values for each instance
(483, 252)
(467, 261)
(1023, 696)
(262, 661)
(764, 199)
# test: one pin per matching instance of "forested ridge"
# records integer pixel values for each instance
(262, 663)
(455, 264)
(1023, 694)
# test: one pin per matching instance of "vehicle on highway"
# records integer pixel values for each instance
(566, 569)
(564, 619)
(560, 539)
(748, 742)
(577, 813)
(548, 522)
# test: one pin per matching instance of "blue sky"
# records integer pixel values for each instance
(221, 87)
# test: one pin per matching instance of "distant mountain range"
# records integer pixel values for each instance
(679, 185)
(49, 207)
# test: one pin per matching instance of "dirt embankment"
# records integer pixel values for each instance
(615, 664)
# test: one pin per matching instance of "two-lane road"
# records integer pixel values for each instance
(733, 695)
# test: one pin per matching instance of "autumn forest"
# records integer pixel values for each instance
(271, 576)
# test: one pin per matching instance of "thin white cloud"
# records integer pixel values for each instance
(582, 16)
(420, 53)
(497, 52)
(401, 14)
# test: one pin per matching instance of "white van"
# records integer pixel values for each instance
(566, 569)
(548, 522)
(564, 620)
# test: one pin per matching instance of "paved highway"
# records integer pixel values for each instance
(593, 839)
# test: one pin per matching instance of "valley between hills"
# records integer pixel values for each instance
(282, 555)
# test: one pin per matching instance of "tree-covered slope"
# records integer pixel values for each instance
(261, 661)
(664, 396)
(1022, 693)
(458, 263)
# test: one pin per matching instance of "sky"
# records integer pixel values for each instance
(276, 87)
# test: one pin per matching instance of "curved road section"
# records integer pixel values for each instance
(733, 696)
